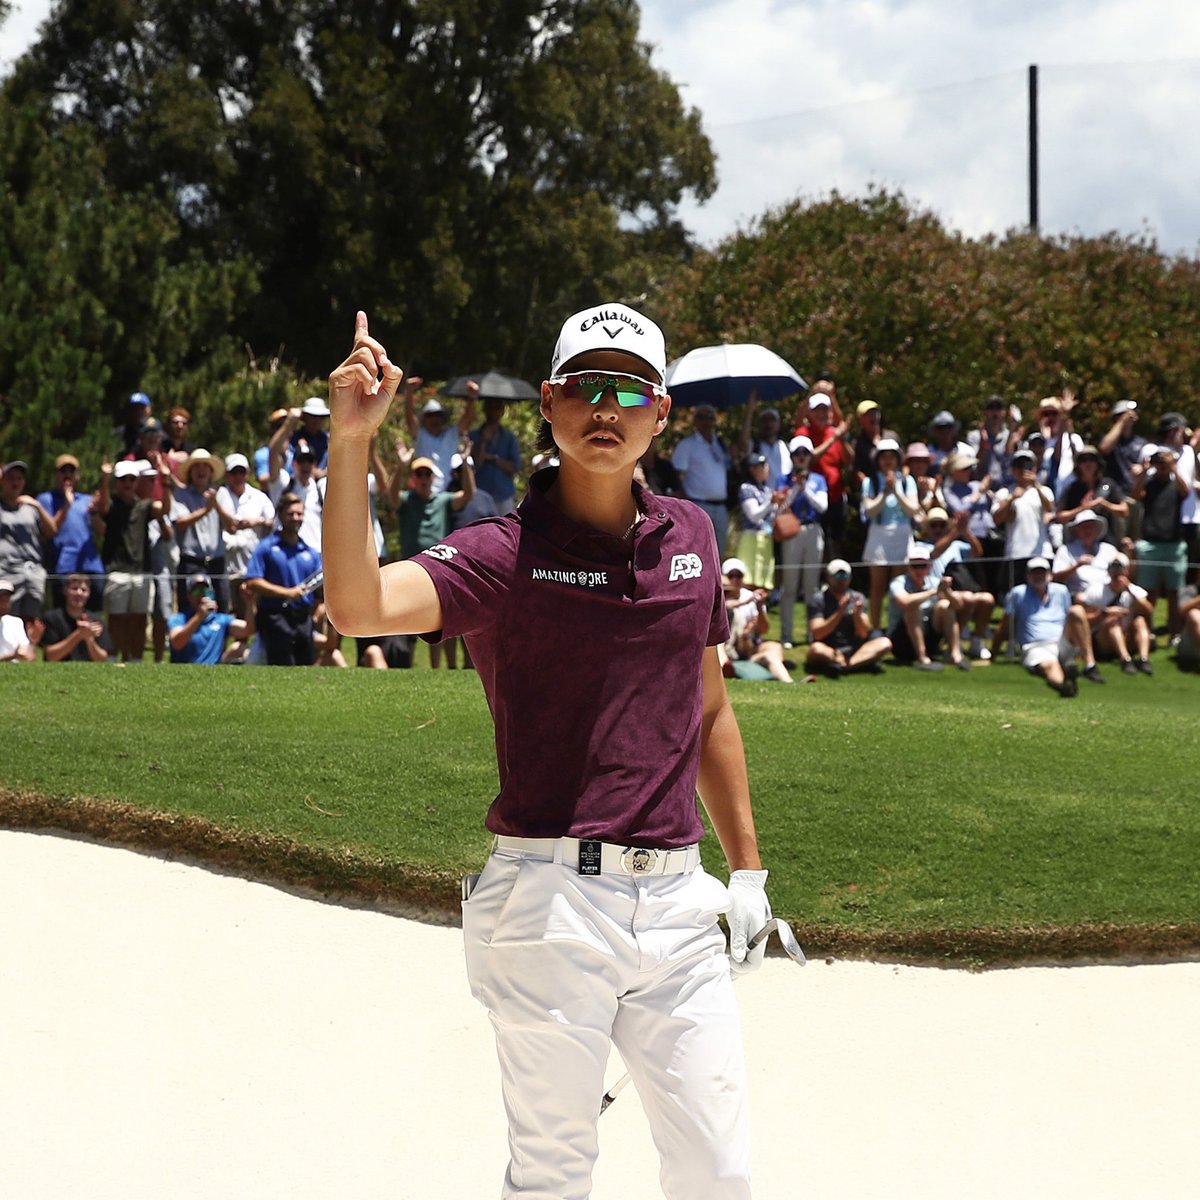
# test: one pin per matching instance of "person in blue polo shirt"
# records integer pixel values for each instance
(198, 631)
(593, 922)
(283, 574)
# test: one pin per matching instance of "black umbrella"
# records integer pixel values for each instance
(492, 386)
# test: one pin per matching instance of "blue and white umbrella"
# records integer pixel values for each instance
(724, 376)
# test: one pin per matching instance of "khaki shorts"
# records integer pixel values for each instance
(1036, 654)
(127, 594)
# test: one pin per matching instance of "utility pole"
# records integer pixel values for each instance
(1033, 147)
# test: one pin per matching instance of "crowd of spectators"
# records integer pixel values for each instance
(931, 553)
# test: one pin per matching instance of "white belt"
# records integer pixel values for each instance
(596, 858)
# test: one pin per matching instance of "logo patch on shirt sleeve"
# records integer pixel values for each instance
(686, 566)
(441, 551)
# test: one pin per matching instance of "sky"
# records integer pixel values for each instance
(804, 97)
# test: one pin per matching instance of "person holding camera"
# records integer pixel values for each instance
(197, 633)
(1161, 550)
(800, 510)
(922, 615)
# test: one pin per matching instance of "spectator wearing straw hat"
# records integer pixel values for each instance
(1062, 442)
(839, 629)
(197, 523)
(806, 498)
(890, 506)
(1119, 613)
(1051, 631)
(1082, 560)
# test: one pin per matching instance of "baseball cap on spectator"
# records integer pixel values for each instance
(610, 327)
(1171, 421)
(1026, 456)
(426, 464)
(1037, 563)
(304, 450)
(145, 468)
(432, 407)
(943, 420)
(6, 586)
(919, 554)
(994, 401)
(198, 580)
(865, 407)
(916, 450)
(1088, 452)
(1119, 561)
(1149, 450)
(1122, 407)
(17, 464)
(140, 399)
(886, 444)
(233, 461)
(838, 567)
(756, 460)
(732, 565)
(800, 443)
(820, 400)
(314, 406)
(768, 412)
(66, 460)
(1035, 435)
(126, 469)
(457, 461)
(150, 425)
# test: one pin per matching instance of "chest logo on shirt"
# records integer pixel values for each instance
(686, 566)
(589, 579)
(441, 552)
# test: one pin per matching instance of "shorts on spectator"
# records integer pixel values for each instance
(1161, 564)
(29, 590)
(903, 650)
(164, 596)
(126, 593)
(1037, 654)
(395, 647)
(1187, 657)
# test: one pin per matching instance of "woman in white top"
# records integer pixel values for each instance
(890, 505)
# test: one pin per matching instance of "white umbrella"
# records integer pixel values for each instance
(724, 376)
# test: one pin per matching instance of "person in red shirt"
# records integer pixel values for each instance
(823, 424)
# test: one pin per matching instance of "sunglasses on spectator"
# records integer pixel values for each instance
(840, 575)
(632, 390)
(424, 473)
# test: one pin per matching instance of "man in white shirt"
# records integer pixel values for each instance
(703, 465)
(1083, 560)
(1119, 612)
(15, 645)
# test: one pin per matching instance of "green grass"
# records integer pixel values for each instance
(975, 815)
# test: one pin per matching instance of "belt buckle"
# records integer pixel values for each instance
(637, 860)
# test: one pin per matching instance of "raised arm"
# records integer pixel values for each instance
(362, 599)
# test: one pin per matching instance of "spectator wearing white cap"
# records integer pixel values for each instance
(806, 499)
(312, 426)
(15, 645)
(247, 516)
(703, 463)
(1161, 550)
(300, 479)
(824, 425)
(1023, 512)
(1083, 559)
(921, 616)
(1119, 613)
(955, 553)
(432, 435)
(890, 507)
(748, 621)
(1121, 445)
(1051, 631)
(839, 629)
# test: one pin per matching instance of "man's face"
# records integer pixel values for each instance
(839, 583)
(704, 420)
(944, 436)
(423, 482)
(150, 443)
(1088, 533)
(68, 475)
(145, 486)
(768, 427)
(493, 411)
(13, 484)
(1038, 578)
(919, 573)
(1024, 474)
(291, 517)
(994, 413)
(236, 477)
(434, 423)
(312, 422)
(127, 488)
(77, 592)
(592, 428)
(869, 421)
(200, 476)
(178, 426)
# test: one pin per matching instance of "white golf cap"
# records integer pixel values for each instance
(838, 566)
(145, 468)
(1149, 450)
(918, 554)
(800, 442)
(733, 564)
(126, 470)
(233, 461)
(820, 400)
(611, 327)
(314, 406)
(1038, 563)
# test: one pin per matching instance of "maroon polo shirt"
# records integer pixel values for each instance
(590, 661)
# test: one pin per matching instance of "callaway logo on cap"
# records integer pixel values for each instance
(611, 327)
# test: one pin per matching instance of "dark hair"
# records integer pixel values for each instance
(545, 443)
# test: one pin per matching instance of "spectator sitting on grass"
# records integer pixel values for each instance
(1120, 613)
(922, 615)
(198, 631)
(1188, 653)
(748, 621)
(953, 551)
(71, 633)
(1082, 562)
(1051, 631)
(15, 645)
(840, 631)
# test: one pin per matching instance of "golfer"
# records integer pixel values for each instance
(593, 921)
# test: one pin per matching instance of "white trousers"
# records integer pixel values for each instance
(799, 572)
(567, 965)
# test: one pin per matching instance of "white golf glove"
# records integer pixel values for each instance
(749, 911)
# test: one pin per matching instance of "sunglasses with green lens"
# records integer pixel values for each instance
(632, 391)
